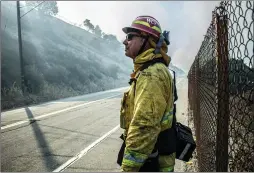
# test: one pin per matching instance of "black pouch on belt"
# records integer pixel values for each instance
(121, 152)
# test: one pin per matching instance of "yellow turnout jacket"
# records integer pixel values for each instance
(146, 110)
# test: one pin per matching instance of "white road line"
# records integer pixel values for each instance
(53, 113)
(18, 110)
(83, 152)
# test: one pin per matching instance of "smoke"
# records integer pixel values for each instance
(186, 20)
(111, 16)
(195, 20)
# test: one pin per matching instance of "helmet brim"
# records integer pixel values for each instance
(126, 30)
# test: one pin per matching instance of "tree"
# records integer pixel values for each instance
(89, 25)
(47, 7)
(86, 22)
(97, 31)
(112, 40)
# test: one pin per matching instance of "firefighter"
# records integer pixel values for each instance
(147, 107)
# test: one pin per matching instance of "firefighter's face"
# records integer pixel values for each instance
(133, 43)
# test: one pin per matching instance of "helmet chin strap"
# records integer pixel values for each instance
(143, 45)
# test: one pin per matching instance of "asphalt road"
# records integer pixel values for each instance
(79, 134)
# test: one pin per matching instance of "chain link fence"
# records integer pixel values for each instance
(221, 90)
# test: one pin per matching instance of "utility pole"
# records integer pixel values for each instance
(20, 51)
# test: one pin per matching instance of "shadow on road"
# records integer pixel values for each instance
(48, 157)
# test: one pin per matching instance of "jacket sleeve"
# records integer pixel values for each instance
(149, 106)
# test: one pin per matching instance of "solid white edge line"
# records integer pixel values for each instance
(84, 151)
(57, 101)
(53, 113)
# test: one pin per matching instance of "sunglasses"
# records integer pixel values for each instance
(129, 37)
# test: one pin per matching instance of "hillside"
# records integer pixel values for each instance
(61, 60)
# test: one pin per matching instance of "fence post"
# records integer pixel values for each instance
(197, 107)
(223, 94)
